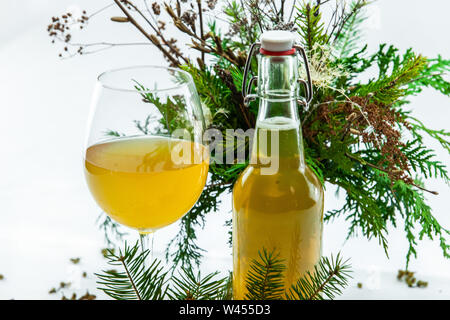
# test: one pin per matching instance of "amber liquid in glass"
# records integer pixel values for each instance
(146, 183)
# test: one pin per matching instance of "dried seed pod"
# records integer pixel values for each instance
(154, 39)
(120, 19)
(351, 116)
(87, 296)
(156, 8)
(354, 131)
(422, 284)
(74, 260)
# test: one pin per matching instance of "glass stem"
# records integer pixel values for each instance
(147, 240)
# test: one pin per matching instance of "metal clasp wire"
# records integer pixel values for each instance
(247, 88)
(308, 83)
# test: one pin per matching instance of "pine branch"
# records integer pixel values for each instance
(328, 280)
(265, 279)
(188, 286)
(227, 290)
(136, 281)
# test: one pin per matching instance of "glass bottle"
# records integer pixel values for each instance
(277, 200)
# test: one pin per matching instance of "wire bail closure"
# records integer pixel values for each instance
(247, 87)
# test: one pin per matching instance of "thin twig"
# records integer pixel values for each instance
(360, 109)
(152, 38)
(332, 274)
(200, 14)
(292, 9)
(121, 259)
(157, 30)
(358, 5)
(109, 44)
(101, 10)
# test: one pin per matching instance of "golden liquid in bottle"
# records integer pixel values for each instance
(137, 182)
(281, 212)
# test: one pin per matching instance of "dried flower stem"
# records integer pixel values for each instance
(200, 14)
(200, 44)
(157, 30)
(150, 37)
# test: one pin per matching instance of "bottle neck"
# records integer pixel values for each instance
(278, 136)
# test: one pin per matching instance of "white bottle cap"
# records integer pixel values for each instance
(277, 40)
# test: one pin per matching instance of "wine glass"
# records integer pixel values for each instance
(144, 160)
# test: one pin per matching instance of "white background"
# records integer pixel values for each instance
(47, 215)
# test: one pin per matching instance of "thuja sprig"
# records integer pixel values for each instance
(112, 230)
(144, 280)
